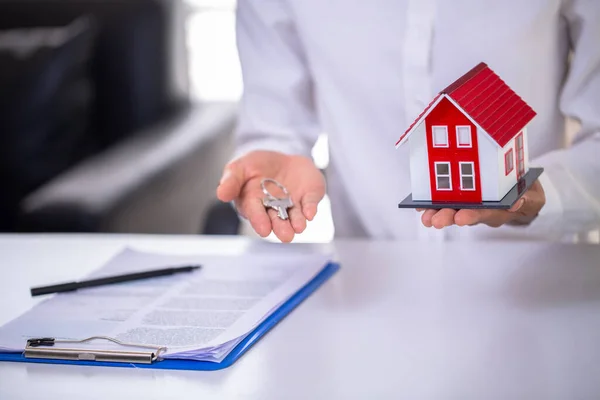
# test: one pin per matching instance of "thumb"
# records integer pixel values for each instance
(310, 202)
(529, 206)
(518, 205)
(232, 181)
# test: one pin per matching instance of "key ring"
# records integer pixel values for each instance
(279, 185)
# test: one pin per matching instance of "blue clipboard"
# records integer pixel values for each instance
(329, 270)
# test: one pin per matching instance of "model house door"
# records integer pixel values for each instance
(520, 156)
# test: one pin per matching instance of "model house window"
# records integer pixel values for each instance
(440, 136)
(520, 154)
(463, 136)
(509, 162)
(442, 176)
(467, 176)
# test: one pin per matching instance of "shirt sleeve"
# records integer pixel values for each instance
(571, 178)
(276, 109)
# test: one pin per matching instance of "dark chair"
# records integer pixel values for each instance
(95, 135)
(222, 219)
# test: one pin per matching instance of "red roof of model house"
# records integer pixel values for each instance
(488, 101)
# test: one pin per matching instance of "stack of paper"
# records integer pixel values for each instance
(200, 315)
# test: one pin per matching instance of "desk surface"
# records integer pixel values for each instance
(399, 320)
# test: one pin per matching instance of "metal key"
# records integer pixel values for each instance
(280, 205)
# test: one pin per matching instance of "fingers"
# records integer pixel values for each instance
(469, 217)
(264, 221)
(240, 184)
(524, 210)
(282, 228)
(310, 202)
(254, 211)
(443, 218)
(297, 219)
(232, 182)
(490, 217)
(438, 218)
(427, 216)
(447, 217)
(248, 205)
(286, 229)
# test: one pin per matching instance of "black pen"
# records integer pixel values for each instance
(71, 286)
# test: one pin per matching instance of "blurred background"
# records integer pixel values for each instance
(117, 116)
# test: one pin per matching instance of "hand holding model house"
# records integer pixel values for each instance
(469, 155)
(522, 212)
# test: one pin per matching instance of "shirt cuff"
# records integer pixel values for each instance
(553, 210)
(553, 207)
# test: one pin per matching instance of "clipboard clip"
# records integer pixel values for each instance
(45, 348)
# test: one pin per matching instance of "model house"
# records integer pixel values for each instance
(470, 144)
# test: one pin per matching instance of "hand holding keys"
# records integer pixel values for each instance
(279, 204)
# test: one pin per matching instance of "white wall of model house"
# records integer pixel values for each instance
(419, 164)
(495, 184)
(506, 182)
(488, 166)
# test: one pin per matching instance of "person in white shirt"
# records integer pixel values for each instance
(362, 71)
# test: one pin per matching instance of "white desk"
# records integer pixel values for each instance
(398, 321)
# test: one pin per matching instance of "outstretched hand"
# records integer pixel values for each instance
(240, 184)
(523, 212)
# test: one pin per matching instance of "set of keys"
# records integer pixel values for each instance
(279, 204)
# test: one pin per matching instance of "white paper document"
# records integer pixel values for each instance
(198, 315)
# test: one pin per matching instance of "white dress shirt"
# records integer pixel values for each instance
(362, 71)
